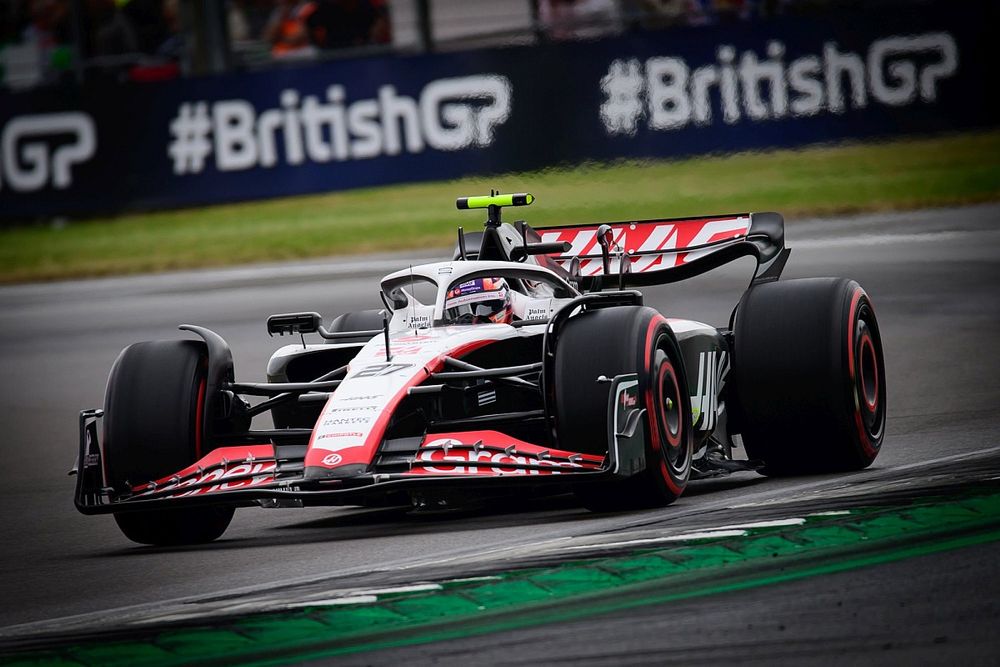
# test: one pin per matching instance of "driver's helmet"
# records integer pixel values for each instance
(479, 301)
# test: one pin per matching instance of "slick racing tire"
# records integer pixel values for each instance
(616, 341)
(361, 320)
(153, 426)
(809, 376)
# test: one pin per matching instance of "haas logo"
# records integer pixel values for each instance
(332, 459)
(628, 401)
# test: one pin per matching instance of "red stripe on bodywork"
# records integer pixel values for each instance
(500, 439)
(632, 236)
(491, 462)
(314, 457)
(233, 456)
(378, 430)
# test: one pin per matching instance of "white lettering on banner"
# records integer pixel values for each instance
(33, 150)
(450, 114)
(670, 95)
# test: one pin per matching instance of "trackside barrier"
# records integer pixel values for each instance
(347, 124)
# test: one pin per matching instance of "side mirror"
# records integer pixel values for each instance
(520, 253)
(605, 237)
(398, 299)
(293, 323)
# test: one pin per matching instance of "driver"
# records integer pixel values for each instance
(479, 301)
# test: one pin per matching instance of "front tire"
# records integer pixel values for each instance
(154, 426)
(616, 341)
(810, 376)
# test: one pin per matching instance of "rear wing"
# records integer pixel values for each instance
(651, 252)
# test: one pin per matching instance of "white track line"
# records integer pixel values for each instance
(552, 545)
(330, 602)
(683, 537)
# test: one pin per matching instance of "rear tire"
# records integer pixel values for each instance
(616, 341)
(809, 376)
(153, 426)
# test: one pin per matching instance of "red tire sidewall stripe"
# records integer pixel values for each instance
(654, 428)
(863, 437)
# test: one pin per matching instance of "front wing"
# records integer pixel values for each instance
(270, 474)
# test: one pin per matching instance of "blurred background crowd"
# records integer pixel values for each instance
(42, 41)
(48, 42)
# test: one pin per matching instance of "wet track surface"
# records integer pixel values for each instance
(932, 275)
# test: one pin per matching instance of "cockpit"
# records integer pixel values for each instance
(470, 292)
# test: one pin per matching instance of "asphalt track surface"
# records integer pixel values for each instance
(933, 276)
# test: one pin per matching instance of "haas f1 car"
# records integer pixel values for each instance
(528, 363)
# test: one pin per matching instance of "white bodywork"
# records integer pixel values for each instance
(354, 419)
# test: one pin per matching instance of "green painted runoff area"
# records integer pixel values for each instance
(818, 180)
(823, 544)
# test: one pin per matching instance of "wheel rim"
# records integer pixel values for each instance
(669, 403)
(869, 387)
(670, 420)
(868, 372)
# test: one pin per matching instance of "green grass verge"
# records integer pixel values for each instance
(906, 174)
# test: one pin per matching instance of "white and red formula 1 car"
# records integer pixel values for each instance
(525, 363)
